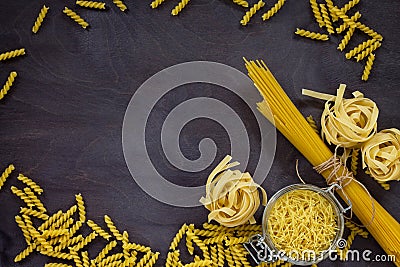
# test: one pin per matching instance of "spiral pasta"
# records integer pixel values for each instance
(232, 197)
(201, 245)
(354, 228)
(381, 155)
(45, 225)
(330, 6)
(242, 3)
(57, 265)
(349, 5)
(81, 207)
(236, 240)
(156, 3)
(25, 253)
(120, 5)
(91, 4)
(273, 10)
(354, 161)
(98, 229)
(103, 253)
(349, 122)
(152, 260)
(317, 13)
(345, 25)
(214, 240)
(22, 196)
(12, 54)
(368, 51)
(36, 202)
(21, 224)
(350, 239)
(312, 123)
(241, 256)
(253, 10)
(5, 174)
(368, 67)
(78, 19)
(178, 237)
(346, 39)
(327, 20)
(179, 7)
(112, 258)
(84, 242)
(34, 186)
(85, 259)
(359, 48)
(7, 85)
(312, 35)
(40, 18)
(144, 259)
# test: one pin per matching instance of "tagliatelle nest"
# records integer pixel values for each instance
(232, 197)
(349, 122)
(381, 155)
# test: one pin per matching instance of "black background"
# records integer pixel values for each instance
(61, 122)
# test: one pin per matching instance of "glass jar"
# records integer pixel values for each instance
(262, 247)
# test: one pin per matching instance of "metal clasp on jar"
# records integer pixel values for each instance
(259, 250)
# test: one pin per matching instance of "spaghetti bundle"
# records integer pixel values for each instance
(382, 155)
(231, 196)
(290, 122)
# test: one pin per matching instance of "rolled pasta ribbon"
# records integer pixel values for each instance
(231, 196)
(381, 154)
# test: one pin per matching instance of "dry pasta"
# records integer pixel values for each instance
(312, 35)
(345, 25)
(330, 5)
(7, 85)
(368, 67)
(85, 259)
(81, 207)
(91, 4)
(40, 18)
(103, 253)
(179, 7)
(120, 4)
(84, 242)
(78, 19)
(354, 160)
(381, 155)
(312, 123)
(354, 228)
(113, 229)
(5, 174)
(22, 196)
(327, 20)
(152, 260)
(178, 237)
(349, 5)
(359, 48)
(57, 265)
(12, 54)
(35, 187)
(349, 122)
(253, 10)
(98, 229)
(317, 12)
(232, 197)
(36, 202)
(368, 51)
(273, 10)
(317, 226)
(156, 3)
(242, 3)
(346, 39)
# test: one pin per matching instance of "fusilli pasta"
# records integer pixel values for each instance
(40, 18)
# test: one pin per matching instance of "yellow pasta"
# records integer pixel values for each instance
(201, 245)
(103, 253)
(78, 19)
(64, 217)
(214, 256)
(59, 255)
(349, 122)
(57, 265)
(6, 173)
(253, 10)
(381, 155)
(152, 260)
(273, 10)
(346, 39)
(12, 54)
(345, 25)
(242, 3)
(21, 224)
(36, 202)
(76, 258)
(54, 233)
(113, 229)
(354, 161)
(206, 233)
(120, 4)
(240, 255)
(35, 187)
(330, 6)
(221, 255)
(156, 3)
(84, 242)
(368, 67)
(202, 263)
(317, 226)
(22, 196)
(368, 51)
(85, 259)
(349, 5)
(98, 229)
(327, 20)
(354, 228)
(178, 237)
(144, 259)
(359, 48)
(178, 8)
(25, 253)
(229, 258)
(232, 197)
(216, 239)
(68, 242)
(81, 207)
(312, 123)
(74, 228)
(312, 35)
(91, 4)
(350, 239)
(317, 13)
(112, 258)
(236, 240)
(7, 87)
(40, 18)
(45, 225)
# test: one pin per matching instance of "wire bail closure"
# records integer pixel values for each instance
(259, 250)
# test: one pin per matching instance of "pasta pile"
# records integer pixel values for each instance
(302, 220)
(246, 17)
(231, 196)
(214, 245)
(354, 231)
(59, 235)
(326, 14)
(352, 124)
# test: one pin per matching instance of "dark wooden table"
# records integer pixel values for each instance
(61, 123)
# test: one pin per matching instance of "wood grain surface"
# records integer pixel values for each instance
(61, 123)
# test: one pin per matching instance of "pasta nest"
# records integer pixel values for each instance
(232, 197)
(381, 155)
(349, 122)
